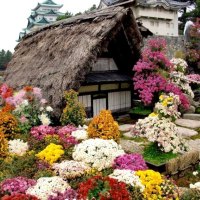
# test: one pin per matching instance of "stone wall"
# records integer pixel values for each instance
(174, 44)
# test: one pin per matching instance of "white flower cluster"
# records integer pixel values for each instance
(162, 131)
(21, 106)
(179, 79)
(195, 186)
(128, 177)
(98, 153)
(44, 118)
(81, 133)
(180, 65)
(70, 169)
(17, 147)
(47, 186)
(168, 106)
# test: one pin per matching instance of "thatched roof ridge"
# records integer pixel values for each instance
(59, 56)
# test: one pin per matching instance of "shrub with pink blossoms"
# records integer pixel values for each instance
(132, 161)
(16, 185)
(152, 74)
(63, 133)
(40, 132)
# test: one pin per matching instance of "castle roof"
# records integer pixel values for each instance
(167, 4)
(48, 3)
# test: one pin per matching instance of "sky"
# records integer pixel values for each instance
(14, 14)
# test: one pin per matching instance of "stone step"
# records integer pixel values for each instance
(128, 134)
(188, 123)
(186, 132)
(130, 146)
(125, 127)
(191, 116)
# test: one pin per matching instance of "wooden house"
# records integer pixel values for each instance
(92, 53)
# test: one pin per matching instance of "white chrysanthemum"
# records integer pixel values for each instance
(195, 173)
(97, 153)
(80, 134)
(195, 186)
(70, 169)
(162, 131)
(44, 119)
(128, 177)
(49, 109)
(179, 64)
(17, 147)
(47, 186)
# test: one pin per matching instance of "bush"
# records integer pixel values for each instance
(3, 145)
(74, 112)
(103, 126)
(8, 124)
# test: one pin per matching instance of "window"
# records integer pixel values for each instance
(168, 25)
(152, 23)
(157, 24)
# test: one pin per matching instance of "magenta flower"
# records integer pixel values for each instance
(152, 74)
(132, 162)
(69, 194)
(16, 185)
(39, 132)
(65, 135)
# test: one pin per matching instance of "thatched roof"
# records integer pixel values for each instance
(59, 56)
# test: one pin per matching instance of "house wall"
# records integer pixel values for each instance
(158, 20)
(116, 101)
(115, 96)
(104, 64)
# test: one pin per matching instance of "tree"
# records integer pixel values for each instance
(5, 57)
(67, 15)
(191, 14)
(94, 7)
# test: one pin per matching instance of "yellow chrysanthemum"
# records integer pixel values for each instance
(153, 114)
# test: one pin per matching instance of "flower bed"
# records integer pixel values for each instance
(64, 162)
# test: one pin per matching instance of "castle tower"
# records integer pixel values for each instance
(159, 16)
(43, 14)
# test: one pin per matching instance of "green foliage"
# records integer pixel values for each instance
(179, 54)
(135, 193)
(43, 173)
(94, 7)
(197, 110)
(141, 110)
(5, 57)
(74, 112)
(67, 15)
(154, 155)
(191, 194)
(18, 166)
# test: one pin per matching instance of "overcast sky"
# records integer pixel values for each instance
(14, 13)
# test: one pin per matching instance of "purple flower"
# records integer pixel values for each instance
(69, 194)
(39, 132)
(132, 161)
(16, 185)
